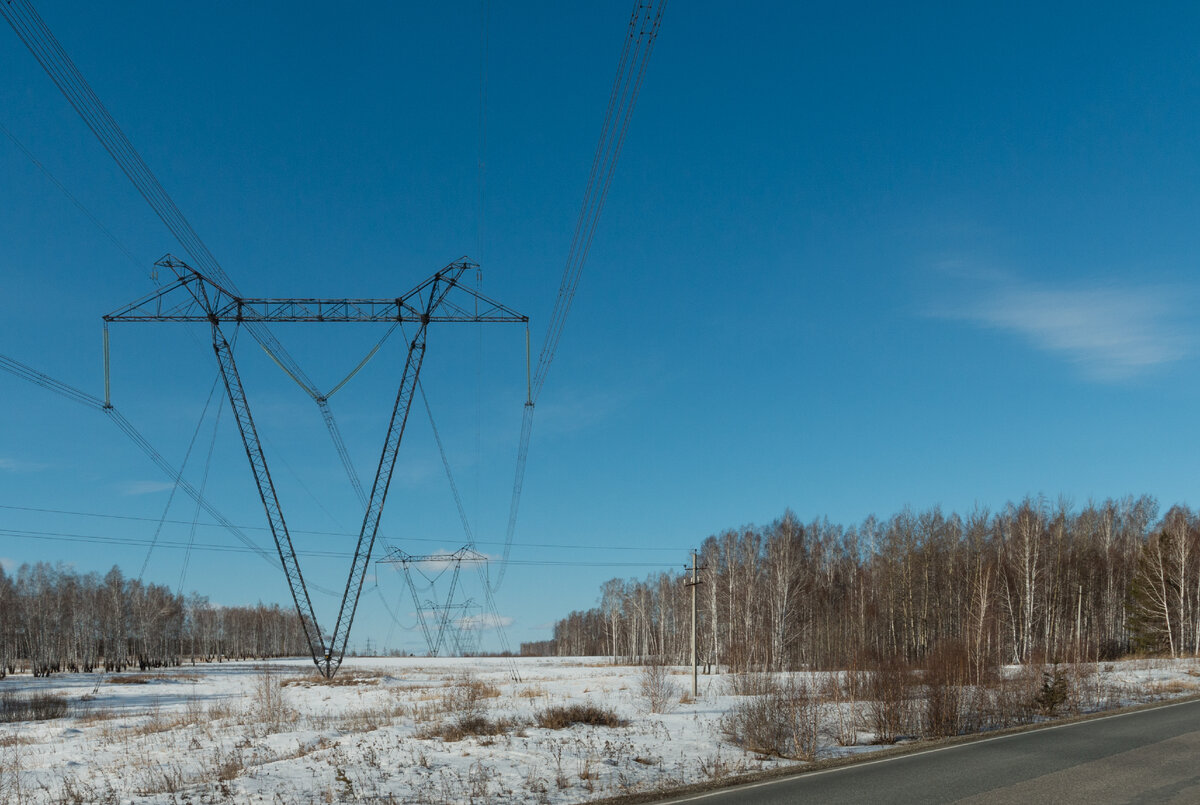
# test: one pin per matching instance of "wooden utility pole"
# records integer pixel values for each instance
(694, 583)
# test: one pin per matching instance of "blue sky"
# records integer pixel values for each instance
(854, 258)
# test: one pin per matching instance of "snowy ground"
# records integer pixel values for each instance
(236, 732)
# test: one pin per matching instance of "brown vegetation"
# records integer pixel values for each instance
(562, 716)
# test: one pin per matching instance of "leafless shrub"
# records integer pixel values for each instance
(837, 694)
(147, 678)
(467, 699)
(783, 722)
(751, 683)
(535, 783)
(31, 707)
(948, 699)
(1013, 696)
(888, 693)
(563, 716)
(658, 691)
(1173, 687)
(803, 704)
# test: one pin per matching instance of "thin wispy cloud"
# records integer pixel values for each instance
(480, 623)
(1111, 333)
(145, 487)
(573, 410)
(17, 466)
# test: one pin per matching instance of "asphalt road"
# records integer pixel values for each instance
(1148, 756)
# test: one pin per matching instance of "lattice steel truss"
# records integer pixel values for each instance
(196, 298)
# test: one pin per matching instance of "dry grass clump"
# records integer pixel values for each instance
(11, 766)
(356, 677)
(563, 716)
(145, 679)
(226, 767)
(88, 714)
(479, 688)
(463, 709)
(269, 708)
(128, 679)
(457, 729)
(358, 719)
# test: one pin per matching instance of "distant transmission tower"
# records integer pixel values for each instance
(442, 619)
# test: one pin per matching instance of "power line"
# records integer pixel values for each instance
(41, 42)
(635, 55)
(59, 536)
(136, 518)
(71, 197)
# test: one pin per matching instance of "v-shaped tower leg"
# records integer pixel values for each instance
(266, 491)
(383, 474)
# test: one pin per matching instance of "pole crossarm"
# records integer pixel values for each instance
(180, 301)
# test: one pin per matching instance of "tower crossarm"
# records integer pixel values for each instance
(192, 296)
(179, 300)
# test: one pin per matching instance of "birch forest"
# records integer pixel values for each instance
(53, 619)
(1034, 582)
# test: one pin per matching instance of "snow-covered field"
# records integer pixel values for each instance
(275, 732)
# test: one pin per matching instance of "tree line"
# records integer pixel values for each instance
(54, 619)
(1034, 581)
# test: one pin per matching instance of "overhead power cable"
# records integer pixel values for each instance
(71, 197)
(40, 41)
(175, 486)
(347, 534)
(631, 69)
(43, 380)
(212, 547)
(187, 556)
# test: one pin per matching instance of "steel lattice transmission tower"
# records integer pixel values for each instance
(193, 297)
(433, 613)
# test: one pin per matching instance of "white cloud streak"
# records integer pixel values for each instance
(1110, 333)
(14, 465)
(145, 487)
(485, 622)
